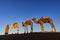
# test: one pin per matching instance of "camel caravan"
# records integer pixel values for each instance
(27, 23)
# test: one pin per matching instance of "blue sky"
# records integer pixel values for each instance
(22, 10)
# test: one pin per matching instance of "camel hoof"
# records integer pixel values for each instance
(52, 31)
(30, 32)
(27, 32)
(43, 31)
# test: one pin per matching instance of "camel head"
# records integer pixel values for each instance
(34, 19)
(23, 24)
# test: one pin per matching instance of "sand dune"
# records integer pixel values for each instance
(32, 36)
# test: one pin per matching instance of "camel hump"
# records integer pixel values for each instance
(15, 23)
(45, 17)
(28, 21)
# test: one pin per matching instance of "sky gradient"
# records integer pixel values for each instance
(22, 10)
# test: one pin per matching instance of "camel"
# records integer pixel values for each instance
(14, 26)
(26, 24)
(7, 30)
(43, 20)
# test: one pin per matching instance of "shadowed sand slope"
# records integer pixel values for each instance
(32, 36)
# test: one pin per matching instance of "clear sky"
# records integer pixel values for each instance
(22, 10)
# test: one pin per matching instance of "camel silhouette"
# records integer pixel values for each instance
(26, 24)
(14, 26)
(43, 20)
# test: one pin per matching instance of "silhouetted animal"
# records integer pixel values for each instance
(26, 24)
(14, 26)
(43, 20)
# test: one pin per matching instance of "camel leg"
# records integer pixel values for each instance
(13, 31)
(25, 29)
(42, 28)
(17, 30)
(31, 28)
(53, 27)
